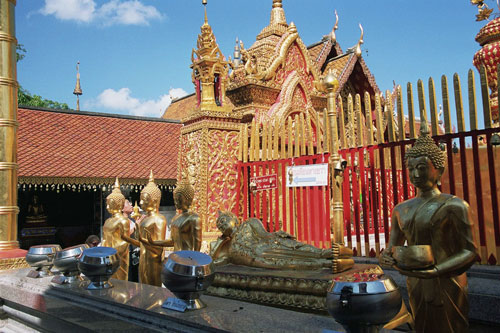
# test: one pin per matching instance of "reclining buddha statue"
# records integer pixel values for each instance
(249, 244)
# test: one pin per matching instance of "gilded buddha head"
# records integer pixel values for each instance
(227, 222)
(183, 195)
(150, 195)
(425, 161)
(115, 200)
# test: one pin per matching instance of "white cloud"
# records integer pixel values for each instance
(127, 12)
(122, 100)
(77, 10)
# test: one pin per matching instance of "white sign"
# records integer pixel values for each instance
(307, 175)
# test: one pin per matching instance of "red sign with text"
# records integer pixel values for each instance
(265, 182)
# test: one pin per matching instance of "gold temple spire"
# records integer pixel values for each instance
(277, 13)
(210, 71)
(204, 2)
(78, 88)
(277, 24)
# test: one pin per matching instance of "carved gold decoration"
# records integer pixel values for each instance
(222, 175)
(279, 289)
(69, 181)
(13, 263)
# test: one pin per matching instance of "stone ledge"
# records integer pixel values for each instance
(135, 307)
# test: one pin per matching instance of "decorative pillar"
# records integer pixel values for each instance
(331, 83)
(8, 128)
(208, 152)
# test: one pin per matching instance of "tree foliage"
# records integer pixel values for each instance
(25, 98)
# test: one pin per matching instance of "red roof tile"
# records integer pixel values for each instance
(84, 144)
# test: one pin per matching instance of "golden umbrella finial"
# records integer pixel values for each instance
(78, 88)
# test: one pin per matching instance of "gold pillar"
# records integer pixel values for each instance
(8, 127)
(336, 207)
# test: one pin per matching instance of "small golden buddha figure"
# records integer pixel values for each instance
(186, 226)
(114, 228)
(438, 294)
(249, 244)
(36, 213)
(152, 227)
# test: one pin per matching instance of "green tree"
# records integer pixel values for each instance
(25, 98)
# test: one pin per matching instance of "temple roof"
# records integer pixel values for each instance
(179, 108)
(95, 146)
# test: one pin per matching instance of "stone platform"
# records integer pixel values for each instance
(304, 290)
(40, 305)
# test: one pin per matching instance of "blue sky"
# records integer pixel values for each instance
(135, 54)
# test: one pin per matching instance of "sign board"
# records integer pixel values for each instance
(174, 303)
(307, 175)
(268, 182)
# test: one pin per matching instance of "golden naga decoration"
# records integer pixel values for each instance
(186, 226)
(358, 50)
(333, 37)
(115, 228)
(438, 230)
(152, 228)
(249, 244)
(484, 11)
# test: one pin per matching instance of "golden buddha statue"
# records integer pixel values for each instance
(186, 226)
(114, 228)
(249, 244)
(152, 227)
(36, 213)
(438, 294)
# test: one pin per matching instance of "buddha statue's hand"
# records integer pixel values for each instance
(386, 259)
(148, 237)
(421, 274)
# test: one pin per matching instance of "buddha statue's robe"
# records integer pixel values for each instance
(438, 304)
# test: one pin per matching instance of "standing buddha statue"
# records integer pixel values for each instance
(114, 228)
(186, 226)
(438, 295)
(152, 227)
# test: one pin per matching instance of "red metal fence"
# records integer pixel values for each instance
(300, 211)
(376, 178)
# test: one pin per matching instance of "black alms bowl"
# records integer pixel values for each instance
(187, 274)
(98, 264)
(364, 304)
